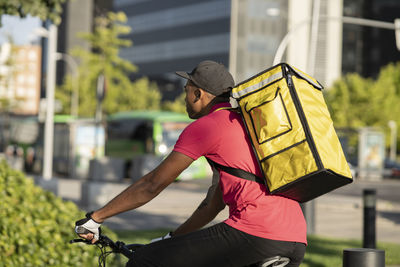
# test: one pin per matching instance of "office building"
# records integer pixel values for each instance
(367, 49)
(245, 35)
(77, 17)
(242, 34)
(175, 35)
(20, 83)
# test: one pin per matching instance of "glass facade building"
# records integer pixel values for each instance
(244, 35)
(175, 35)
(366, 50)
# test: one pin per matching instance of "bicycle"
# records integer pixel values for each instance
(128, 251)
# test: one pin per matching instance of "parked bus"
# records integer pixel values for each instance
(144, 138)
(76, 142)
(128, 145)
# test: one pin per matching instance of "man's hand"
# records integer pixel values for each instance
(88, 228)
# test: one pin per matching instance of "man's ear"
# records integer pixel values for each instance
(197, 93)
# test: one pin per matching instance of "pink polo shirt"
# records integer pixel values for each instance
(221, 137)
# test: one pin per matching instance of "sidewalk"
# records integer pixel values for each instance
(168, 210)
(342, 217)
(337, 214)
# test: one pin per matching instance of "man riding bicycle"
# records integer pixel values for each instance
(259, 226)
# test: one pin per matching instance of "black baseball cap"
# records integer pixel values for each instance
(211, 76)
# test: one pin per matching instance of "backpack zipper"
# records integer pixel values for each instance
(303, 120)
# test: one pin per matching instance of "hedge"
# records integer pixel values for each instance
(36, 226)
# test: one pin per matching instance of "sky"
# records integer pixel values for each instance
(21, 30)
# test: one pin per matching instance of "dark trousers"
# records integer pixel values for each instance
(219, 245)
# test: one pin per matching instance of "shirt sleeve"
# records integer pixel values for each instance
(198, 139)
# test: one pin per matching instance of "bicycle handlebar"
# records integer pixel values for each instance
(117, 247)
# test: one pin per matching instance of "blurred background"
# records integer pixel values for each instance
(78, 79)
(89, 102)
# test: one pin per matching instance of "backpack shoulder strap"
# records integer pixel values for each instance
(237, 110)
(237, 172)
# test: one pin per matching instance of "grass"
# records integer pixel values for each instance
(327, 252)
(141, 237)
(321, 251)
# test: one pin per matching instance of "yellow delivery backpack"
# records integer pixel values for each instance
(292, 133)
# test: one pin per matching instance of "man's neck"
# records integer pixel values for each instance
(212, 105)
(219, 105)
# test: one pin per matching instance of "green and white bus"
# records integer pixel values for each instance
(76, 142)
(144, 138)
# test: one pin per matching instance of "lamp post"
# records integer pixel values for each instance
(393, 139)
(314, 37)
(397, 32)
(51, 35)
(75, 81)
(234, 38)
(50, 89)
(349, 20)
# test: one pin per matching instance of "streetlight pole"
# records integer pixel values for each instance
(314, 37)
(397, 32)
(393, 139)
(234, 38)
(349, 20)
(50, 89)
(75, 81)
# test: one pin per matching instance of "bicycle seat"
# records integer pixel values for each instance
(276, 261)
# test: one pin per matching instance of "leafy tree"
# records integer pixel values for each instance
(121, 93)
(387, 92)
(8, 104)
(348, 100)
(178, 105)
(44, 9)
(358, 102)
(8, 74)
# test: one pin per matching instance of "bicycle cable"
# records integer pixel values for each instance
(103, 254)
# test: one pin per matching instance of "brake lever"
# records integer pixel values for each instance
(80, 240)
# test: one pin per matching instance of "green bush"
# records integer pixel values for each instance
(36, 226)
